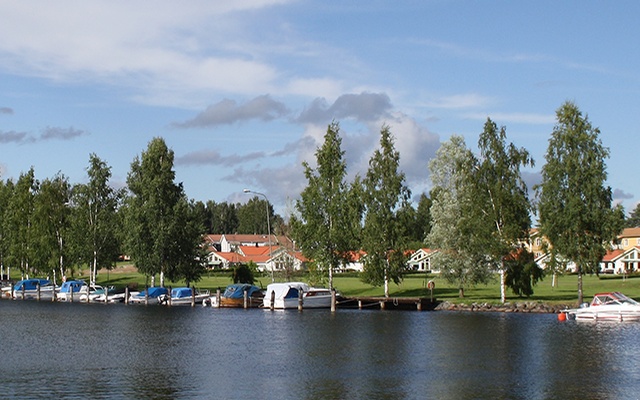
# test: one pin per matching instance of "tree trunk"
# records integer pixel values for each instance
(330, 277)
(503, 291)
(461, 291)
(386, 280)
(579, 285)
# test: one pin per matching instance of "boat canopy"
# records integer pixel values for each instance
(286, 290)
(180, 293)
(31, 284)
(236, 291)
(71, 285)
(154, 292)
(602, 299)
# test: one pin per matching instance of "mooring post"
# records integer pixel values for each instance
(126, 295)
(382, 304)
(360, 304)
(419, 305)
(333, 300)
(300, 294)
(193, 296)
(146, 295)
(38, 291)
(70, 299)
(23, 291)
(106, 295)
(245, 298)
(218, 297)
(273, 301)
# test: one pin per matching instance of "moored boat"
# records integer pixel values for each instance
(233, 296)
(613, 306)
(183, 296)
(286, 296)
(34, 288)
(151, 298)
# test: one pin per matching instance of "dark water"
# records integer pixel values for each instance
(95, 351)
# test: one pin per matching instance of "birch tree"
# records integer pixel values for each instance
(576, 214)
(385, 194)
(328, 217)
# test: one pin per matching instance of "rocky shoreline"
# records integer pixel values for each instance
(518, 307)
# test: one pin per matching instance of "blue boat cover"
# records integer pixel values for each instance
(180, 293)
(154, 292)
(236, 291)
(76, 285)
(30, 284)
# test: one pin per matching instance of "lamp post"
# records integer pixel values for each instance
(268, 226)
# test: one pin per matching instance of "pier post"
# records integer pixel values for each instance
(218, 298)
(70, 294)
(193, 297)
(382, 304)
(23, 291)
(273, 301)
(300, 293)
(38, 291)
(126, 295)
(333, 300)
(106, 295)
(360, 304)
(146, 295)
(245, 298)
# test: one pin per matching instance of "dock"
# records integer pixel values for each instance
(388, 303)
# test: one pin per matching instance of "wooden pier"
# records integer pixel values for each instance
(388, 303)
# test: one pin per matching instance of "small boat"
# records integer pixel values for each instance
(29, 288)
(79, 291)
(613, 306)
(286, 295)
(151, 298)
(183, 296)
(233, 296)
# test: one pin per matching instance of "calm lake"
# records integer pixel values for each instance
(60, 350)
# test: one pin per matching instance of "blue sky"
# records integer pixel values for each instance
(243, 91)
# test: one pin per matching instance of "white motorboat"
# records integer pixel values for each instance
(33, 289)
(613, 306)
(151, 298)
(183, 296)
(286, 296)
(79, 291)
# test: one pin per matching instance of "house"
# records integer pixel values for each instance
(420, 260)
(619, 261)
(630, 237)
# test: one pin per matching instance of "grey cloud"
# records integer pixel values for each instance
(364, 107)
(14, 137)
(213, 157)
(6, 110)
(619, 194)
(278, 184)
(61, 133)
(291, 148)
(227, 112)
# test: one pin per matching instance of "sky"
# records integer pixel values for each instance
(243, 91)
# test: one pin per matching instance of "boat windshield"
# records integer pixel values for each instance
(612, 299)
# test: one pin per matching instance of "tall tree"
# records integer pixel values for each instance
(575, 209)
(96, 223)
(20, 226)
(51, 221)
(329, 215)
(383, 236)
(252, 217)
(6, 192)
(155, 214)
(461, 257)
(224, 217)
(633, 221)
(499, 214)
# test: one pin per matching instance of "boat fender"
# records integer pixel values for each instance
(562, 317)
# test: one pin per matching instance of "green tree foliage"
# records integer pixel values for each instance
(460, 256)
(384, 237)
(329, 213)
(52, 221)
(498, 214)
(6, 193)
(96, 222)
(223, 217)
(244, 273)
(160, 222)
(21, 231)
(522, 272)
(252, 217)
(633, 221)
(575, 205)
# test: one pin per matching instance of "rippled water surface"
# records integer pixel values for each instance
(95, 351)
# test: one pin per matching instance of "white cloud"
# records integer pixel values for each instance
(471, 100)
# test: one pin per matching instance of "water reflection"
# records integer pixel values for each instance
(82, 351)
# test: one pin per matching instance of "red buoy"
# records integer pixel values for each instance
(562, 316)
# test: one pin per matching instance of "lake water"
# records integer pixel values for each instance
(79, 351)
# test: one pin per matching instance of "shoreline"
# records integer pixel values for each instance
(518, 307)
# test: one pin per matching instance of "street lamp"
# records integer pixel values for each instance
(268, 226)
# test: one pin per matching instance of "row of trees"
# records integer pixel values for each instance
(478, 216)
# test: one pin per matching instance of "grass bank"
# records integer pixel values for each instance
(414, 285)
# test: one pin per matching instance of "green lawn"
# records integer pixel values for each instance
(414, 285)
